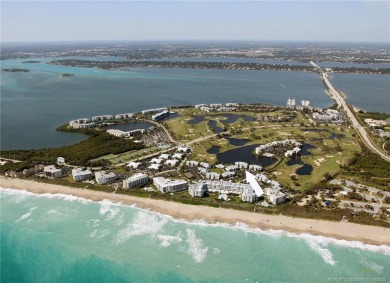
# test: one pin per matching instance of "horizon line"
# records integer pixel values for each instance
(194, 40)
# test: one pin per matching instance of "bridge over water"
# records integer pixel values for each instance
(336, 95)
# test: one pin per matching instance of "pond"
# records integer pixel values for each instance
(169, 117)
(233, 141)
(196, 120)
(304, 151)
(306, 169)
(244, 154)
(130, 126)
(237, 142)
(214, 127)
(214, 149)
(231, 118)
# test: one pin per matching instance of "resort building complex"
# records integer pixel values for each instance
(169, 186)
(102, 177)
(81, 175)
(135, 180)
(122, 134)
(82, 123)
(52, 172)
(160, 115)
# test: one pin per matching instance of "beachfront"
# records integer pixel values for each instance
(339, 230)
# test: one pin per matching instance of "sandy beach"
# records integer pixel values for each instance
(338, 230)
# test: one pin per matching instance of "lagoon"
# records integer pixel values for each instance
(33, 104)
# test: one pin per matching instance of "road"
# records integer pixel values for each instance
(160, 126)
(355, 123)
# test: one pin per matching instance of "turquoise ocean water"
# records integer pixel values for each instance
(59, 238)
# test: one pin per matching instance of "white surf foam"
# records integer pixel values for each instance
(120, 219)
(370, 265)
(26, 215)
(93, 222)
(326, 254)
(144, 223)
(99, 234)
(167, 240)
(322, 240)
(383, 249)
(20, 195)
(276, 234)
(195, 247)
(16, 196)
(106, 208)
(65, 197)
(53, 215)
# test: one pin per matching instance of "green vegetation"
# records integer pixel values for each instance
(206, 65)
(98, 144)
(115, 159)
(367, 167)
(325, 158)
(373, 115)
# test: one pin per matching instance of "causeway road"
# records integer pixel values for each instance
(355, 123)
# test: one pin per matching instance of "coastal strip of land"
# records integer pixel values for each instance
(108, 65)
(338, 230)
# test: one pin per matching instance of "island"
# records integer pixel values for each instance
(208, 65)
(14, 70)
(31, 62)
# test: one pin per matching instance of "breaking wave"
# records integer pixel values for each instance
(195, 246)
(106, 208)
(20, 195)
(326, 254)
(26, 215)
(145, 223)
(98, 235)
(167, 240)
(150, 222)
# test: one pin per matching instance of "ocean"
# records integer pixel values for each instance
(61, 238)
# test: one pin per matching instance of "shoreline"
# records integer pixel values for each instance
(338, 230)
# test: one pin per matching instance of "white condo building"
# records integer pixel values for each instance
(197, 190)
(169, 186)
(102, 117)
(135, 180)
(249, 195)
(81, 175)
(102, 177)
(52, 172)
(82, 123)
(124, 116)
(275, 196)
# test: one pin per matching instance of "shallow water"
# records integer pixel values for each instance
(60, 238)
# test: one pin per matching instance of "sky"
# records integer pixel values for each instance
(362, 21)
